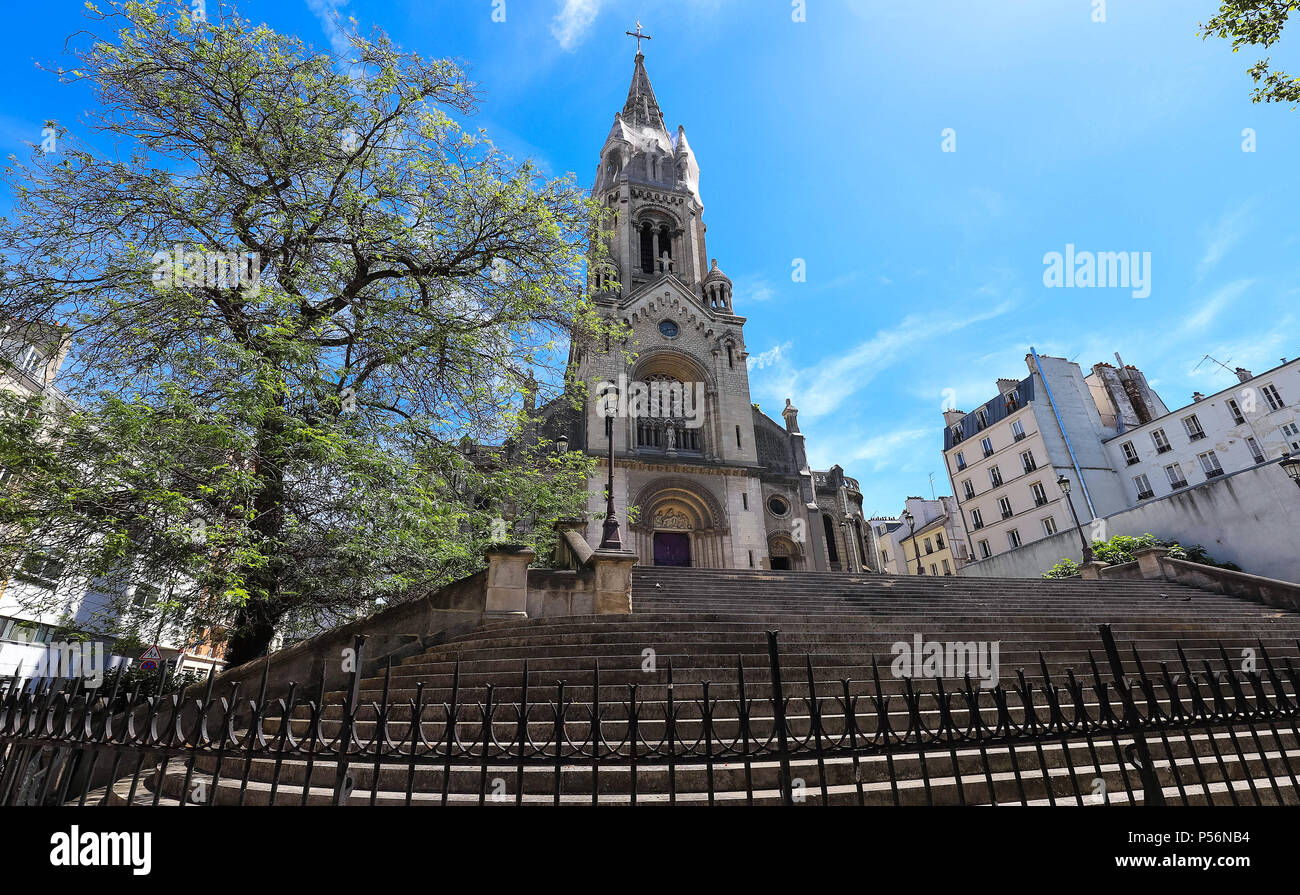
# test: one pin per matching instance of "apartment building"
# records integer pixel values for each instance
(935, 536)
(40, 603)
(1005, 457)
(883, 548)
(1252, 422)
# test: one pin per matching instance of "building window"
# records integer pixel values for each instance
(987, 444)
(976, 520)
(1210, 464)
(884, 558)
(968, 488)
(1027, 459)
(1040, 494)
(1174, 471)
(668, 328)
(938, 539)
(961, 460)
(777, 506)
(1013, 538)
(956, 434)
(1255, 450)
(929, 548)
(1161, 442)
(647, 249)
(1049, 526)
(1004, 504)
(1193, 427)
(1130, 453)
(41, 570)
(1237, 416)
(1273, 398)
(985, 552)
(995, 476)
(146, 595)
(1017, 430)
(1013, 401)
(737, 436)
(1291, 432)
(934, 570)
(1143, 487)
(831, 549)
(982, 419)
(947, 569)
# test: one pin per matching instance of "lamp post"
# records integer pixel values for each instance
(908, 519)
(610, 537)
(1291, 466)
(1064, 484)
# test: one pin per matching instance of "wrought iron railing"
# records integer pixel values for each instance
(1185, 731)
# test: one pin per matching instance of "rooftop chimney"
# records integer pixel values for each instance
(1006, 385)
(1197, 397)
(1244, 375)
(950, 417)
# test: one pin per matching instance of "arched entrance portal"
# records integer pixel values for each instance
(785, 552)
(679, 525)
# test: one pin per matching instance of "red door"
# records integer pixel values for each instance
(672, 548)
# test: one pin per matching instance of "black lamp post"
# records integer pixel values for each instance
(1291, 466)
(908, 519)
(1064, 484)
(610, 537)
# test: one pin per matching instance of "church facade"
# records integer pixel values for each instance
(702, 477)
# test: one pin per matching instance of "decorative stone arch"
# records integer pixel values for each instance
(677, 506)
(781, 545)
(672, 362)
(670, 432)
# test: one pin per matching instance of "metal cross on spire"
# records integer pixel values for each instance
(639, 35)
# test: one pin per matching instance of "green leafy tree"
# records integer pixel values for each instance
(300, 299)
(1258, 23)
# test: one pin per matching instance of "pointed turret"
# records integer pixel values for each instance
(641, 108)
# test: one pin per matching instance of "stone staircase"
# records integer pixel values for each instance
(701, 625)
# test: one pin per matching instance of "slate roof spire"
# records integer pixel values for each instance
(641, 108)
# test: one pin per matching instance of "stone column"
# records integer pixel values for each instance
(613, 581)
(507, 581)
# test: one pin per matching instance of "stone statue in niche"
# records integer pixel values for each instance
(670, 437)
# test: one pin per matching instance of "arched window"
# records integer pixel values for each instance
(831, 549)
(647, 248)
(666, 427)
(666, 245)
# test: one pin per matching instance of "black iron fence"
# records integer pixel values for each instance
(1203, 731)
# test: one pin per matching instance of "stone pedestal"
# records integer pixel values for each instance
(507, 581)
(1091, 571)
(613, 581)
(1148, 560)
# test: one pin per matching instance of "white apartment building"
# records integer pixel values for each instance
(936, 536)
(1004, 458)
(1254, 421)
(39, 603)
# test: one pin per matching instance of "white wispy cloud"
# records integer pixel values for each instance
(573, 21)
(767, 358)
(327, 13)
(824, 387)
(1212, 307)
(1220, 239)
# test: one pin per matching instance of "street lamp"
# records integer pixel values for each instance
(1064, 484)
(1291, 466)
(610, 537)
(908, 519)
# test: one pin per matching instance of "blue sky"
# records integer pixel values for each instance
(822, 140)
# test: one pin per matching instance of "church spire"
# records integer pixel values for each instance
(641, 108)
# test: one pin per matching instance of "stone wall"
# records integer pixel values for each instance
(1251, 518)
